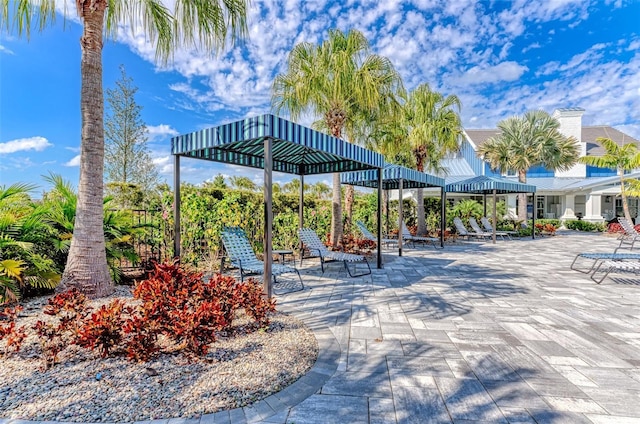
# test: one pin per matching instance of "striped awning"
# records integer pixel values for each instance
(391, 177)
(295, 149)
(485, 185)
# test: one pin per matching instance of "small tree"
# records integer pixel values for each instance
(243, 183)
(621, 158)
(127, 157)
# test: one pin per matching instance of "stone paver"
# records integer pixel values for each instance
(475, 333)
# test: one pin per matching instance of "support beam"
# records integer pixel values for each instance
(533, 216)
(400, 217)
(495, 214)
(443, 215)
(379, 232)
(176, 206)
(268, 215)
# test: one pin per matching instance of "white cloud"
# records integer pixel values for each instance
(75, 161)
(5, 50)
(505, 71)
(160, 132)
(37, 144)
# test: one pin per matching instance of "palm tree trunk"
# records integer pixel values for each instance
(522, 198)
(348, 206)
(422, 222)
(86, 267)
(336, 212)
(625, 201)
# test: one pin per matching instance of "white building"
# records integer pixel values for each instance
(582, 191)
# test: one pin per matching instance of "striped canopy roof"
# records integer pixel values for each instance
(295, 149)
(485, 185)
(391, 177)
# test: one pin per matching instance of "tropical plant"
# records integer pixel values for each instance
(242, 183)
(24, 236)
(621, 158)
(339, 80)
(433, 127)
(526, 141)
(293, 186)
(118, 226)
(206, 24)
(466, 209)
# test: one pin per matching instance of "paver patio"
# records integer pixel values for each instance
(477, 332)
(474, 333)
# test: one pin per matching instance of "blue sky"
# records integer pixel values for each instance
(501, 58)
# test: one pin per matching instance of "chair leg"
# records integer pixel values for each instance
(358, 275)
(592, 276)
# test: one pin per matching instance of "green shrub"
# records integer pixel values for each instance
(580, 225)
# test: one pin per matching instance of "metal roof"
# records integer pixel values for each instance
(391, 177)
(485, 185)
(295, 150)
(457, 166)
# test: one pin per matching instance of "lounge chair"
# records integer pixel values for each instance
(463, 232)
(629, 237)
(479, 231)
(310, 240)
(488, 227)
(369, 235)
(408, 237)
(607, 266)
(597, 258)
(243, 257)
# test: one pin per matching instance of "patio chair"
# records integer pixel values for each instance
(629, 237)
(310, 240)
(607, 266)
(596, 258)
(406, 235)
(479, 231)
(463, 232)
(243, 257)
(488, 227)
(369, 235)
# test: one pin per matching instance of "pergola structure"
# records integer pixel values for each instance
(273, 144)
(490, 185)
(395, 177)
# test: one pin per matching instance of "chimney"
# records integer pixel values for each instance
(570, 120)
(571, 124)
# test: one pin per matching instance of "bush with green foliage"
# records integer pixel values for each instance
(580, 225)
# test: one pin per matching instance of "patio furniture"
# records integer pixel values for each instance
(479, 231)
(462, 230)
(311, 241)
(369, 235)
(488, 227)
(243, 257)
(406, 235)
(629, 237)
(608, 266)
(596, 258)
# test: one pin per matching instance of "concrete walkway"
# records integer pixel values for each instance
(474, 333)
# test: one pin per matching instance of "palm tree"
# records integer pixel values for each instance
(527, 141)
(339, 80)
(433, 127)
(206, 24)
(621, 158)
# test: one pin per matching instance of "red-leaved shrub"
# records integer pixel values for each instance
(8, 329)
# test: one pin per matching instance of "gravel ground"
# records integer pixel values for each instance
(237, 371)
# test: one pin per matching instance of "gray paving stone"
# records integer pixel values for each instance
(467, 399)
(358, 384)
(381, 411)
(420, 406)
(330, 409)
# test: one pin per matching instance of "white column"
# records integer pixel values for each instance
(594, 208)
(510, 201)
(569, 207)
